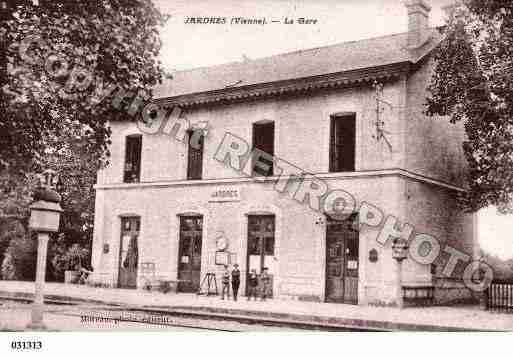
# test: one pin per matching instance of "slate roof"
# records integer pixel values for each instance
(336, 58)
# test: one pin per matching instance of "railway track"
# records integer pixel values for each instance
(180, 318)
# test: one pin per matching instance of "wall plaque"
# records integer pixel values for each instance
(225, 195)
(221, 241)
(222, 258)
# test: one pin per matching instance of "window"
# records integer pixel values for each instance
(260, 241)
(342, 143)
(195, 156)
(263, 140)
(132, 170)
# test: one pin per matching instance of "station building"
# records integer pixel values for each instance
(349, 115)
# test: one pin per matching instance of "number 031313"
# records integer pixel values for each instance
(26, 345)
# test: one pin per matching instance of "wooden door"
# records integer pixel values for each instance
(129, 252)
(341, 262)
(261, 240)
(189, 253)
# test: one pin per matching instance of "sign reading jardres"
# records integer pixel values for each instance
(225, 195)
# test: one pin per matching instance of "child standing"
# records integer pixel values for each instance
(235, 280)
(226, 283)
(252, 284)
(266, 283)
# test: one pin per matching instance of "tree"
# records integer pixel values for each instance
(502, 268)
(67, 68)
(62, 62)
(77, 166)
(473, 83)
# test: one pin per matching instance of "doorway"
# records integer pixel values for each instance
(341, 261)
(129, 252)
(261, 230)
(189, 253)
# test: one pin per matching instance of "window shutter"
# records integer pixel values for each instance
(263, 140)
(342, 143)
(195, 159)
(132, 170)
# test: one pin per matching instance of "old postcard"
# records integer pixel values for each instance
(268, 166)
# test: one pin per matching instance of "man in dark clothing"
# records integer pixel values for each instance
(235, 280)
(252, 284)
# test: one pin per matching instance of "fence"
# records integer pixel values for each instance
(500, 295)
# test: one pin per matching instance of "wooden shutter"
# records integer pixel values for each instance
(133, 149)
(342, 143)
(263, 139)
(195, 159)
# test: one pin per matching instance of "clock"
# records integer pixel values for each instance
(221, 242)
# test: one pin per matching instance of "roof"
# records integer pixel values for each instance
(346, 56)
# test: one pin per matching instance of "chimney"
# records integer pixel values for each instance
(418, 22)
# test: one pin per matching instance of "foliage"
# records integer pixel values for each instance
(473, 83)
(59, 119)
(5, 238)
(86, 49)
(20, 257)
(74, 258)
(77, 168)
(502, 269)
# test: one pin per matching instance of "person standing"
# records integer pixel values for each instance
(226, 283)
(252, 284)
(235, 281)
(266, 283)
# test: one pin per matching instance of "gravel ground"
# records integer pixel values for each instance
(15, 316)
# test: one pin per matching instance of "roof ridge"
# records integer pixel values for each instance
(295, 52)
(303, 63)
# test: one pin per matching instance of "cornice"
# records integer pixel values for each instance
(286, 87)
(395, 172)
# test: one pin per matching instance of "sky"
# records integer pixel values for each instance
(197, 45)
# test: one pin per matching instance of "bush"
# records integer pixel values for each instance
(72, 258)
(20, 258)
(5, 227)
(21, 255)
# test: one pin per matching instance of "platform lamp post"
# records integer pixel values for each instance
(45, 214)
(399, 253)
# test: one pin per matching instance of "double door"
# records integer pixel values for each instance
(261, 230)
(341, 262)
(189, 253)
(129, 252)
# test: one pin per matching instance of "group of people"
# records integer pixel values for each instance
(252, 284)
